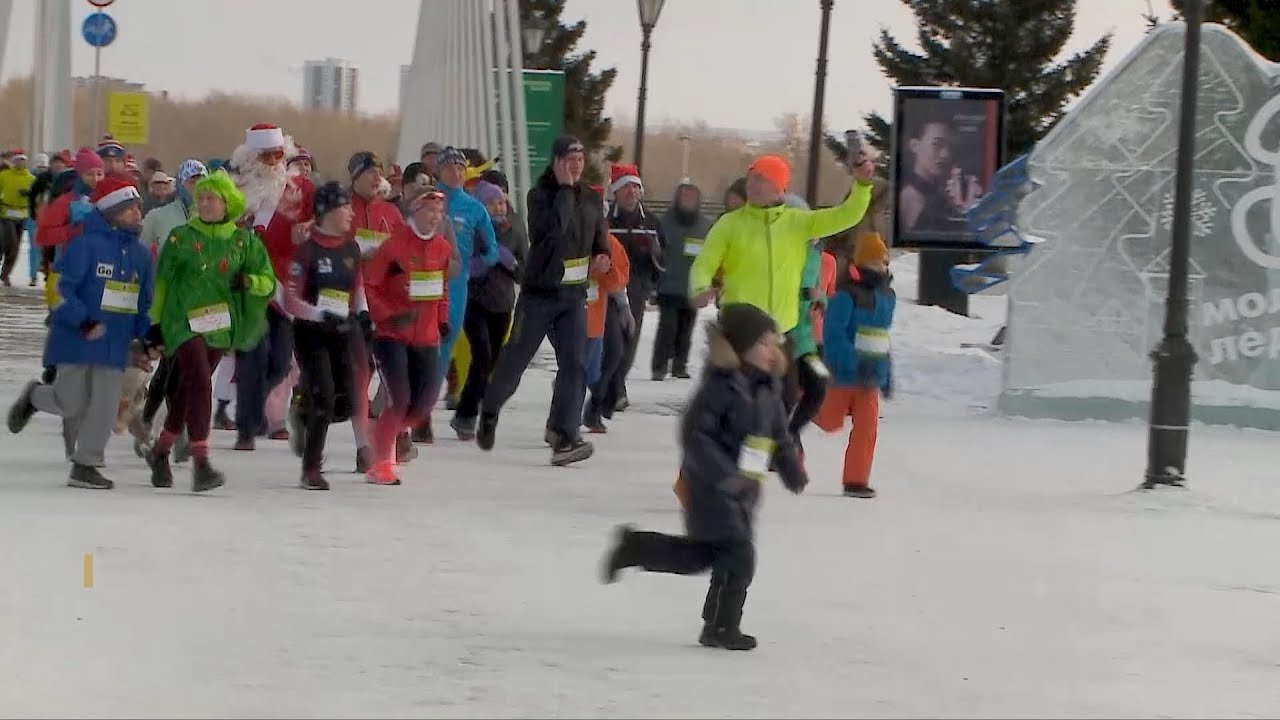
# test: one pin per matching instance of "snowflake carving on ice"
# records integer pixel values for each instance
(1203, 212)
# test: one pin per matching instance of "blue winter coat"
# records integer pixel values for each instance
(855, 334)
(99, 256)
(473, 230)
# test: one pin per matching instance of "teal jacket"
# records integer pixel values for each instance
(802, 339)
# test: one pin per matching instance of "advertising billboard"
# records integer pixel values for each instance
(948, 144)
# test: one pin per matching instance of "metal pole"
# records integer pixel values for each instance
(819, 98)
(684, 160)
(97, 95)
(1174, 358)
(638, 155)
(521, 120)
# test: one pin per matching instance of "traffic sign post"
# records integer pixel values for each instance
(99, 30)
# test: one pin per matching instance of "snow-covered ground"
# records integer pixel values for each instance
(1007, 569)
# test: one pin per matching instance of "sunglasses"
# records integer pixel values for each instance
(271, 155)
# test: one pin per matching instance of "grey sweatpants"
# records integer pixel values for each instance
(87, 398)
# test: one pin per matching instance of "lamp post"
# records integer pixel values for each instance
(819, 98)
(1174, 357)
(649, 12)
(533, 31)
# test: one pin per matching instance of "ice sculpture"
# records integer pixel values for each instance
(1087, 306)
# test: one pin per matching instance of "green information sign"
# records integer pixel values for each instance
(544, 115)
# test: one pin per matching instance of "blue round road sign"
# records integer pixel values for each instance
(99, 30)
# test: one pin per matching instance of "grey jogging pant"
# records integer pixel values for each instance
(87, 398)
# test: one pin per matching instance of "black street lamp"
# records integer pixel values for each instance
(819, 98)
(1174, 357)
(649, 12)
(533, 32)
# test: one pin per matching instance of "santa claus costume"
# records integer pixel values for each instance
(278, 206)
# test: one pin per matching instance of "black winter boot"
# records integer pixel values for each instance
(314, 480)
(405, 451)
(204, 478)
(87, 476)
(161, 472)
(619, 555)
(364, 460)
(464, 427)
(21, 411)
(487, 431)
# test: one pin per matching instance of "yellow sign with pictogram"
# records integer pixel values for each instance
(127, 117)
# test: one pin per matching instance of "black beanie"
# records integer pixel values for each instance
(497, 178)
(743, 325)
(329, 197)
(564, 145)
(738, 187)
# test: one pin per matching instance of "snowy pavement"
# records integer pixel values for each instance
(1007, 569)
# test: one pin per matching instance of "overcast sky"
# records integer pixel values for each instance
(258, 46)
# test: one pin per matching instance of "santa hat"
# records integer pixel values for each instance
(111, 192)
(109, 147)
(264, 136)
(623, 175)
(17, 154)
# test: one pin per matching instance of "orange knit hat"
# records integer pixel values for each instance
(775, 169)
(870, 249)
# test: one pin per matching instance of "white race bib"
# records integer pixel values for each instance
(753, 459)
(120, 297)
(593, 292)
(210, 319)
(872, 341)
(368, 240)
(334, 302)
(692, 247)
(428, 285)
(13, 214)
(575, 271)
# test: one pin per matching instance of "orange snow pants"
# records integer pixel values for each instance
(863, 405)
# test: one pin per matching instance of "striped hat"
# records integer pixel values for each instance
(109, 147)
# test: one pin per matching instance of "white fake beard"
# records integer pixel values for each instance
(262, 186)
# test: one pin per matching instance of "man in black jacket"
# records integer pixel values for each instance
(567, 242)
(641, 234)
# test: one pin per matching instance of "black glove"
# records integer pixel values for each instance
(239, 282)
(365, 324)
(334, 323)
(88, 327)
(401, 321)
(445, 330)
(154, 339)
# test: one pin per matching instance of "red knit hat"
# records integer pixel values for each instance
(622, 175)
(112, 192)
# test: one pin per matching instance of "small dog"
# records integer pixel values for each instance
(133, 396)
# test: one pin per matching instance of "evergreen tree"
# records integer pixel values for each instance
(584, 90)
(1257, 21)
(1014, 45)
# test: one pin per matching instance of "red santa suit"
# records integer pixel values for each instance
(275, 200)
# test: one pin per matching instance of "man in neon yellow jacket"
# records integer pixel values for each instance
(762, 246)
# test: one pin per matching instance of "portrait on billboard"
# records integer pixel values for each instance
(948, 145)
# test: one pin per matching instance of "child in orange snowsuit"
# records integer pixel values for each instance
(857, 352)
(604, 334)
